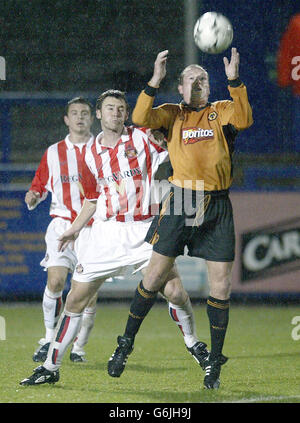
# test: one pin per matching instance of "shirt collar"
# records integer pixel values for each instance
(71, 146)
(101, 148)
(194, 109)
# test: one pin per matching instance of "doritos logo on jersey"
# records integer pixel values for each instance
(130, 152)
(192, 135)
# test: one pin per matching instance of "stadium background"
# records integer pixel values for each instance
(56, 51)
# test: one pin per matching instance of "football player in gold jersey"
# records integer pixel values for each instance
(200, 139)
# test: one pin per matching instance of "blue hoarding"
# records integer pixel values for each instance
(22, 246)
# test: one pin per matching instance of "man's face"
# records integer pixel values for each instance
(113, 114)
(195, 87)
(79, 118)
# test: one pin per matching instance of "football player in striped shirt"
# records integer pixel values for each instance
(123, 160)
(60, 173)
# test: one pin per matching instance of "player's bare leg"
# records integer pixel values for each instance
(66, 330)
(181, 312)
(219, 276)
(143, 300)
(52, 306)
(160, 275)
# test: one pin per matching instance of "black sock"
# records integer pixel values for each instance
(142, 302)
(218, 315)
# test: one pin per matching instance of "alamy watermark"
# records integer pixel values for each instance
(296, 70)
(2, 69)
(187, 198)
(296, 330)
(2, 329)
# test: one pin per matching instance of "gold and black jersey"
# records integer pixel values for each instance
(200, 141)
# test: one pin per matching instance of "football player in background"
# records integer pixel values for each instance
(60, 173)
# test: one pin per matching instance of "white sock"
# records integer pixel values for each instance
(66, 330)
(87, 324)
(52, 304)
(183, 316)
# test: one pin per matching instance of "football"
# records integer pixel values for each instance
(213, 33)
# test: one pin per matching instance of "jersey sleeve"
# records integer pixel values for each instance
(41, 177)
(237, 112)
(40, 181)
(163, 154)
(155, 148)
(145, 115)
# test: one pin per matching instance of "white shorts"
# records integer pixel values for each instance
(113, 249)
(66, 258)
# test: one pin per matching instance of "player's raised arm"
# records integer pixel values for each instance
(159, 71)
(86, 213)
(143, 113)
(239, 112)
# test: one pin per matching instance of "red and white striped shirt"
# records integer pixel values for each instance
(124, 175)
(60, 172)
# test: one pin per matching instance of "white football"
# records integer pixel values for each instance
(213, 33)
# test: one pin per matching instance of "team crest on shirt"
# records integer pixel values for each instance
(212, 116)
(130, 152)
(79, 268)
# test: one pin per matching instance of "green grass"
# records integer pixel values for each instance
(264, 363)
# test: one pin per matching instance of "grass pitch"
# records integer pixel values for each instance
(264, 364)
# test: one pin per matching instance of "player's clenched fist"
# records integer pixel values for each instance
(31, 198)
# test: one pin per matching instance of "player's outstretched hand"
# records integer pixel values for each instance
(232, 67)
(31, 198)
(68, 237)
(160, 71)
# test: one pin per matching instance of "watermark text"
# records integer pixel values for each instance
(296, 330)
(2, 329)
(296, 70)
(2, 69)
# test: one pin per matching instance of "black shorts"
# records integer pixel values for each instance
(206, 228)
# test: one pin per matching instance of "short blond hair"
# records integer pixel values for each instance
(189, 67)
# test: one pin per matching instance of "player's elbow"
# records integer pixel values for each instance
(249, 122)
(246, 121)
(138, 118)
(244, 126)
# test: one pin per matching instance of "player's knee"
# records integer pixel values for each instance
(175, 293)
(220, 280)
(56, 284)
(157, 272)
(221, 289)
(153, 280)
(75, 302)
